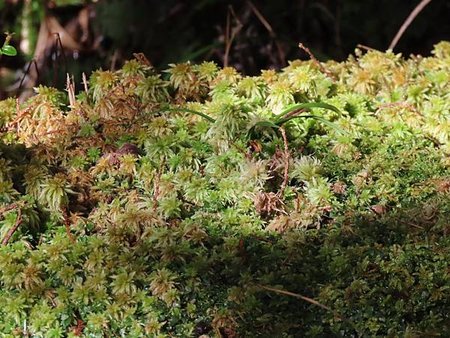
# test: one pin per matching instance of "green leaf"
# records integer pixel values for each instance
(186, 110)
(279, 120)
(307, 105)
(265, 123)
(261, 124)
(8, 50)
(319, 118)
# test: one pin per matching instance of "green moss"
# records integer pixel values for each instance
(182, 199)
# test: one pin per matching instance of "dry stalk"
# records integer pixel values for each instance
(401, 104)
(114, 59)
(366, 47)
(142, 59)
(286, 162)
(273, 35)
(85, 84)
(422, 4)
(294, 113)
(230, 33)
(27, 71)
(58, 46)
(70, 87)
(306, 299)
(156, 187)
(67, 224)
(14, 228)
(317, 62)
(8, 208)
(296, 295)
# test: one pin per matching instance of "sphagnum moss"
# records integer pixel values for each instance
(187, 234)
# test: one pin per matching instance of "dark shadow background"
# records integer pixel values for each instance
(265, 33)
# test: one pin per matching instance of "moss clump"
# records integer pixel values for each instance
(170, 205)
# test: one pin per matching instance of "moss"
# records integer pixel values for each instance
(153, 207)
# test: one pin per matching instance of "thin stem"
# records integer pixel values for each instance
(296, 295)
(14, 228)
(7, 208)
(286, 162)
(306, 299)
(408, 21)
(67, 224)
(266, 24)
(230, 33)
(319, 64)
(186, 110)
(32, 62)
